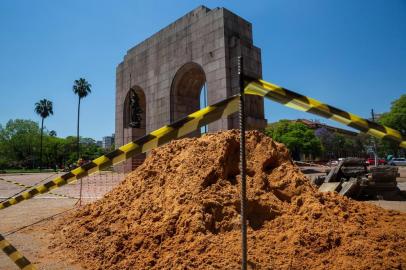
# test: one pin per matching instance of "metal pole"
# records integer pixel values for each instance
(80, 192)
(243, 167)
(205, 102)
(374, 141)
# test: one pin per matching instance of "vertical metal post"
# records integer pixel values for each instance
(374, 141)
(242, 167)
(80, 192)
(205, 103)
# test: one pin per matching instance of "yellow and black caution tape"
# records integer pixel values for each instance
(27, 187)
(158, 137)
(19, 259)
(299, 102)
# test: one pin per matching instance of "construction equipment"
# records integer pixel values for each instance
(352, 178)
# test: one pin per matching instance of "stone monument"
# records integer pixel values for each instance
(168, 70)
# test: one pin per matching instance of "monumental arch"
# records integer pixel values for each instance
(168, 70)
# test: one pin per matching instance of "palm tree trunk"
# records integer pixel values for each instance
(77, 133)
(81, 182)
(40, 155)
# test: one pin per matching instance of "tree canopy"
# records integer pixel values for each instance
(336, 145)
(19, 143)
(396, 119)
(81, 88)
(19, 146)
(296, 136)
(44, 108)
(320, 143)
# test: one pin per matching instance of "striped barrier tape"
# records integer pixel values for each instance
(19, 259)
(299, 102)
(156, 138)
(27, 187)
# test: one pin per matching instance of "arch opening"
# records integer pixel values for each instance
(188, 92)
(135, 109)
(134, 122)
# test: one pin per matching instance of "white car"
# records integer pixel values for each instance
(398, 162)
(332, 163)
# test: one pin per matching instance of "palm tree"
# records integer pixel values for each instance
(81, 88)
(43, 108)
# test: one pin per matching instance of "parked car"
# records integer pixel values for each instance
(332, 163)
(371, 161)
(398, 162)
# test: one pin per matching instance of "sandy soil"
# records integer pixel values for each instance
(34, 241)
(180, 210)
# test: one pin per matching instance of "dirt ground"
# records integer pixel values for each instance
(34, 240)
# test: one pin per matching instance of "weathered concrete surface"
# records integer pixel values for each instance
(330, 187)
(171, 67)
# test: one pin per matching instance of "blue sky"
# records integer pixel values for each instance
(350, 54)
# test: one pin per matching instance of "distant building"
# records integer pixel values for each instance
(316, 125)
(377, 116)
(99, 143)
(108, 141)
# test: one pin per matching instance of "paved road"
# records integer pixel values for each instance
(33, 241)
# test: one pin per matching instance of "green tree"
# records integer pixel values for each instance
(3, 158)
(90, 149)
(361, 141)
(336, 145)
(43, 108)
(18, 141)
(339, 141)
(81, 88)
(297, 137)
(53, 151)
(396, 119)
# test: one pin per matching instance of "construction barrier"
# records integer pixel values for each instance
(189, 124)
(154, 139)
(302, 103)
(19, 259)
(28, 187)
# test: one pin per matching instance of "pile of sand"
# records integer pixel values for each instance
(180, 210)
